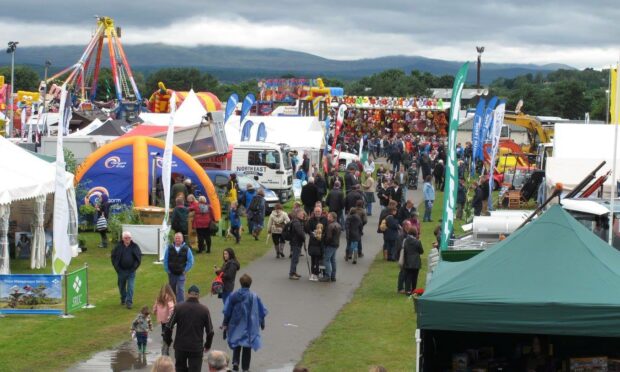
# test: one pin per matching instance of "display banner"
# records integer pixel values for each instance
(486, 125)
(339, 120)
(451, 178)
(475, 133)
(498, 122)
(245, 132)
(77, 290)
(166, 172)
(261, 133)
(231, 105)
(247, 104)
(31, 294)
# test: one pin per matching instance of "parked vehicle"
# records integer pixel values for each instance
(220, 177)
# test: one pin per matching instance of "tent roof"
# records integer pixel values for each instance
(145, 130)
(551, 277)
(25, 176)
(111, 128)
(296, 131)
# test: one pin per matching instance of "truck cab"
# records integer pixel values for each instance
(270, 162)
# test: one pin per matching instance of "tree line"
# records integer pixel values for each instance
(565, 93)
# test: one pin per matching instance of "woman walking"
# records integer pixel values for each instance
(244, 313)
(411, 262)
(369, 192)
(203, 215)
(277, 220)
(163, 309)
(429, 198)
(229, 269)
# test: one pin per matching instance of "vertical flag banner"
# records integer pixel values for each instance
(245, 132)
(486, 126)
(231, 105)
(339, 120)
(612, 95)
(475, 132)
(166, 170)
(363, 155)
(247, 104)
(261, 134)
(62, 254)
(325, 149)
(451, 178)
(498, 123)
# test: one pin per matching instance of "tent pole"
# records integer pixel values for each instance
(614, 182)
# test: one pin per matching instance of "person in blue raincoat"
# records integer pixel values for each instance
(244, 318)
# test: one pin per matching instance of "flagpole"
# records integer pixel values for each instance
(612, 203)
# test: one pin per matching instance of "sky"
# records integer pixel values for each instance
(573, 32)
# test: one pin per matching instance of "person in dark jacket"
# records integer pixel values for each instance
(439, 173)
(402, 234)
(425, 165)
(395, 193)
(103, 209)
(193, 321)
(335, 201)
(352, 197)
(382, 193)
(331, 243)
(478, 198)
(178, 219)
(354, 227)
(406, 212)
(390, 235)
(178, 190)
(246, 200)
(305, 164)
(461, 198)
(412, 263)
(298, 238)
(229, 269)
(315, 228)
(256, 213)
(178, 261)
(309, 195)
(321, 185)
(126, 258)
(203, 215)
(333, 178)
(349, 179)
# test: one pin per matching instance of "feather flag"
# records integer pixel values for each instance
(612, 96)
(61, 256)
(339, 120)
(261, 134)
(498, 122)
(475, 132)
(487, 122)
(166, 174)
(231, 105)
(246, 106)
(245, 132)
(451, 178)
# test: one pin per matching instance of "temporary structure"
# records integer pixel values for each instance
(530, 283)
(299, 132)
(27, 177)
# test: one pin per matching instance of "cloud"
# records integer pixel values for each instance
(525, 31)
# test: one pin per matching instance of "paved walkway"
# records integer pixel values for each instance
(298, 310)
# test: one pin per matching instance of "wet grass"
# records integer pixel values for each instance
(49, 343)
(377, 326)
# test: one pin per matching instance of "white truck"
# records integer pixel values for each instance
(269, 163)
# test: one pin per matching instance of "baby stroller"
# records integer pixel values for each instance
(412, 175)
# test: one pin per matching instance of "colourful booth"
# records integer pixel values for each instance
(159, 102)
(121, 171)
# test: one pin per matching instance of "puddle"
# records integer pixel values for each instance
(123, 358)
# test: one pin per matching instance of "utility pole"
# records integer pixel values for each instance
(480, 50)
(11, 50)
(42, 111)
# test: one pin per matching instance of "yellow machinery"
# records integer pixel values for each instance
(536, 132)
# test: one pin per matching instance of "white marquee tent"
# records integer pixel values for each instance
(26, 177)
(299, 132)
(189, 113)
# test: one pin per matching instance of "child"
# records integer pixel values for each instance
(235, 221)
(141, 327)
(163, 308)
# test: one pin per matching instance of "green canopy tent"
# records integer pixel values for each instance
(551, 277)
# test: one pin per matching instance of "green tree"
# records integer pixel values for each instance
(182, 79)
(26, 78)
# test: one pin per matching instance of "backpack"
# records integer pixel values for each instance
(254, 204)
(287, 231)
(217, 286)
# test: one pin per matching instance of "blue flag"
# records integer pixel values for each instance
(475, 132)
(486, 126)
(245, 133)
(247, 104)
(231, 105)
(261, 134)
(327, 125)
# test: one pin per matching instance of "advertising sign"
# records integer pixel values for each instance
(77, 290)
(31, 294)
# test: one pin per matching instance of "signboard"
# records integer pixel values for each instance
(77, 290)
(31, 294)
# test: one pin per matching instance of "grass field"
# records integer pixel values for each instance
(49, 343)
(378, 325)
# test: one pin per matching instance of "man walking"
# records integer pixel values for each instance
(178, 260)
(298, 238)
(332, 241)
(126, 258)
(193, 321)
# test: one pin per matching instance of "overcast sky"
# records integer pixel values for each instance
(575, 32)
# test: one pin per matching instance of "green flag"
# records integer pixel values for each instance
(451, 179)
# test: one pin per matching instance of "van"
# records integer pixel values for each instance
(270, 162)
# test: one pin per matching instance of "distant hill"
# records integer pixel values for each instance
(233, 64)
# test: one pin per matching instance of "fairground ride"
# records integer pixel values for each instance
(82, 77)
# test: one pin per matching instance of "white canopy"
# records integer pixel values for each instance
(189, 113)
(94, 125)
(303, 132)
(25, 176)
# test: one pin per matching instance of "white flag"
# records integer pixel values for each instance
(498, 123)
(62, 249)
(166, 174)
